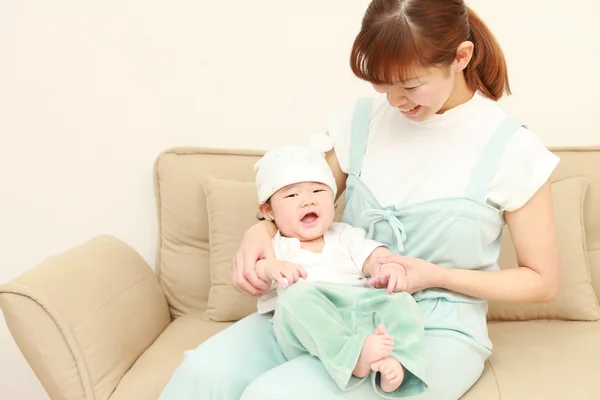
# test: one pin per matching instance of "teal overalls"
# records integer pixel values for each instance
(245, 362)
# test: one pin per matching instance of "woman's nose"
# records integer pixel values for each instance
(396, 100)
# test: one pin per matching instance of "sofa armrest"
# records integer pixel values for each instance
(83, 317)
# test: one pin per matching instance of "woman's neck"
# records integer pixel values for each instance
(460, 94)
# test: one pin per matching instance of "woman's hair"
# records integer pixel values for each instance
(398, 35)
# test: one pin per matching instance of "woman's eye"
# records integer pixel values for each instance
(410, 89)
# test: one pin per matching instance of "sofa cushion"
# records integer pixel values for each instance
(576, 299)
(232, 210)
(182, 259)
(486, 387)
(545, 359)
(151, 372)
(530, 360)
(585, 161)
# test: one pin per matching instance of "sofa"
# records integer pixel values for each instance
(96, 322)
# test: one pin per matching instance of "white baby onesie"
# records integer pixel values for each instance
(341, 261)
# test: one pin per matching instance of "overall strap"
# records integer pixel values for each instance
(359, 132)
(484, 171)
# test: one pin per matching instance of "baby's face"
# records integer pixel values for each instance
(303, 210)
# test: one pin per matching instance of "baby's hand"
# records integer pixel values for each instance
(284, 272)
(391, 275)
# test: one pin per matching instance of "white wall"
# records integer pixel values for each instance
(91, 92)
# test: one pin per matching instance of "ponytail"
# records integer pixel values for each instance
(487, 70)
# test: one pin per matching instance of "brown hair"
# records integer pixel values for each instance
(399, 35)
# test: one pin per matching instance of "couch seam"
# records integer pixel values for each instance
(67, 334)
(495, 379)
(111, 300)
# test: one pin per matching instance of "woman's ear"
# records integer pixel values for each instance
(464, 54)
(266, 211)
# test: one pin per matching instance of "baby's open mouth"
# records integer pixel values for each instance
(309, 218)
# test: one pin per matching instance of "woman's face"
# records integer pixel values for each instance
(423, 94)
(433, 90)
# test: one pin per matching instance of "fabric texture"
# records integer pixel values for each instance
(576, 299)
(287, 165)
(223, 197)
(331, 323)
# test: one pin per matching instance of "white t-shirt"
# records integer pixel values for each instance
(409, 162)
(341, 261)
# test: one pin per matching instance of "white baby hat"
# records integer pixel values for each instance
(287, 165)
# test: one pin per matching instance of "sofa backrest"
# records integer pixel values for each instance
(182, 262)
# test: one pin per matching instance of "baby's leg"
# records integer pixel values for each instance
(390, 369)
(376, 347)
(391, 373)
(308, 318)
(407, 363)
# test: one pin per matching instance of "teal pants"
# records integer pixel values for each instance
(245, 361)
(331, 323)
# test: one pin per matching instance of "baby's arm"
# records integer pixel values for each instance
(364, 251)
(263, 266)
(367, 268)
(283, 272)
(280, 269)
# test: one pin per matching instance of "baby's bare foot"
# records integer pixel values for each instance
(375, 347)
(392, 373)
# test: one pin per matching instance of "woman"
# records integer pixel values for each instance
(434, 169)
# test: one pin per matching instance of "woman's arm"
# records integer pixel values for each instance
(534, 238)
(256, 245)
(340, 176)
(536, 278)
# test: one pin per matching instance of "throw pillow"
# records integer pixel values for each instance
(232, 209)
(576, 299)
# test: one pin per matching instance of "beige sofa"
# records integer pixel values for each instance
(97, 323)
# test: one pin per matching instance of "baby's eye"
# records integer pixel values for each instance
(291, 195)
(318, 190)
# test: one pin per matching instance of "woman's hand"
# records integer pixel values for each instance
(389, 275)
(420, 274)
(256, 245)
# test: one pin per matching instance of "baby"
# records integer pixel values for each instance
(319, 288)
